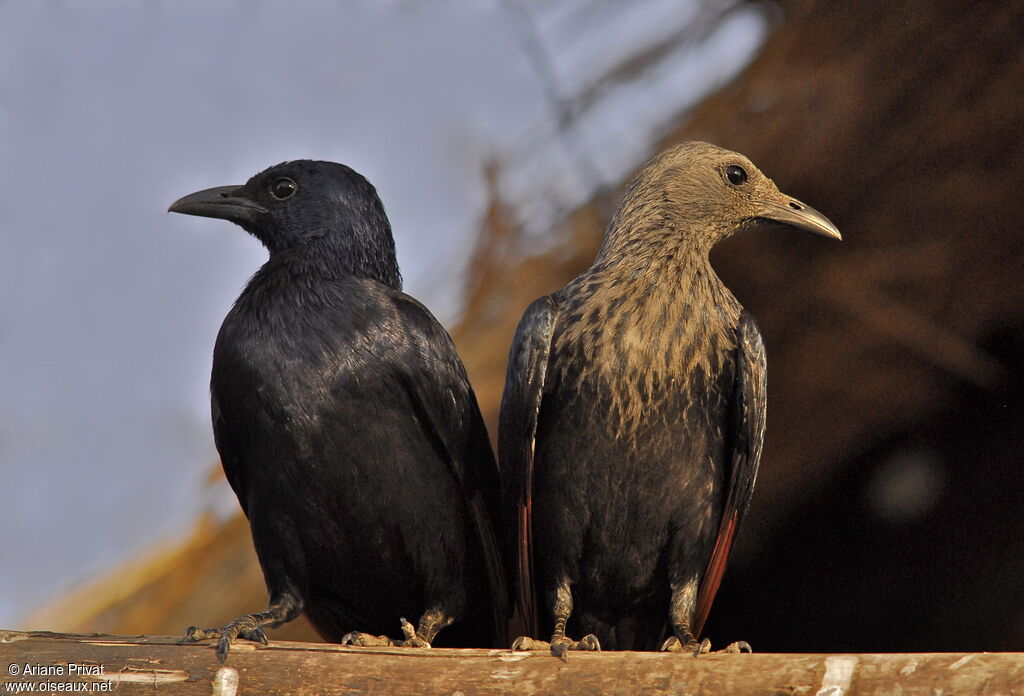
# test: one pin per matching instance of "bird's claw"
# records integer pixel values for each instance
(245, 627)
(194, 634)
(673, 644)
(412, 639)
(256, 635)
(527, 643)
(559, 647)
(223, 646)
(366, 640)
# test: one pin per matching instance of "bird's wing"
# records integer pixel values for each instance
(445, 403)
(517, 430)
(743, 452)
(233, 470)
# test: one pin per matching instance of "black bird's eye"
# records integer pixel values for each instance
(737, 175)
(283, 188)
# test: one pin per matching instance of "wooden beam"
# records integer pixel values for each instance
(153, 664)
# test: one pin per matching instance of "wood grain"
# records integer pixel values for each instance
(154, 664)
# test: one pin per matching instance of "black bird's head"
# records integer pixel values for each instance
(707, 193)
(324, 206)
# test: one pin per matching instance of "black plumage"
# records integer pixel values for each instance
(634, 413)
(347, 427)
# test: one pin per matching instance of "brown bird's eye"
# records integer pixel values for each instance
(736, 174)
(283, 188)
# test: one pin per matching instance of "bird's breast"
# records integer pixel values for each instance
(644, 365)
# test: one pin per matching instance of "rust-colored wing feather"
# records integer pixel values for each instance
(743, 453)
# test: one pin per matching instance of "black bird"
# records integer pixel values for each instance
(634, 413)
(347, 427)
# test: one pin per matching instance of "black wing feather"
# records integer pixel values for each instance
(517, 430)
(445, 402)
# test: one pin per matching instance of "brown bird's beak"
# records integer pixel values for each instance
(225, 202)
(801, 216)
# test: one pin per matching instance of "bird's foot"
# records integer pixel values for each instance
(412, 639)
(366, 640)
(673, 644)
(528, 643)
(562, 645)
(247, 627)
(558, 646)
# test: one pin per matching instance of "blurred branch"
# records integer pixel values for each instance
(562, 107)
(859, 285)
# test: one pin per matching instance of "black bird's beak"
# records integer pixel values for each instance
(225, 202)
(799, 215)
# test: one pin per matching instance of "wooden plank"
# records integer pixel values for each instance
(154, 664)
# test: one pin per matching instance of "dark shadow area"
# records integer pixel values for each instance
(918, 546)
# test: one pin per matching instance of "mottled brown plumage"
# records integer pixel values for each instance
(633, 412)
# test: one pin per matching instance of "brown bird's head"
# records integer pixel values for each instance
(695, 194)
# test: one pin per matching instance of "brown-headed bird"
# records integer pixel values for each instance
(634, 412)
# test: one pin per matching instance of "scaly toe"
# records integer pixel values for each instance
(365, 640)
(527, 643)
(414, 642)
(194, 634)
(224, 645)
(560, 647)
(254, 634)
(412, 639)
(671, 644)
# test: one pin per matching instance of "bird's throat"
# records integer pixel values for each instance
(661, 316)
